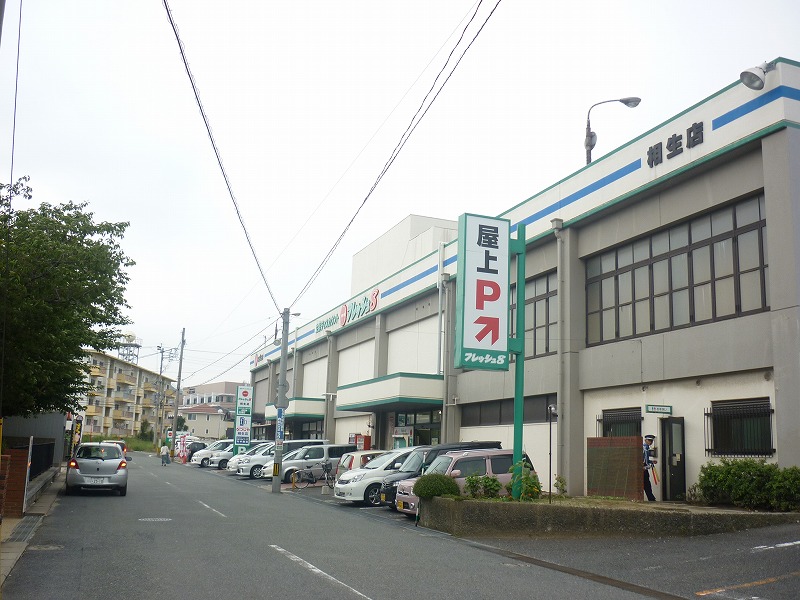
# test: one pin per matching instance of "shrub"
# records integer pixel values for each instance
(748, 483)
(530, 486)
(784, 490)
(560, 484)
(436, 484)
(486, 486)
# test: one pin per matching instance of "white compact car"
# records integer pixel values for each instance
(364, 485)
(201, 457)
(256, 452)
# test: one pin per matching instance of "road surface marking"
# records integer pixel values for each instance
(751, 584)
(315, 570)
(213, 509)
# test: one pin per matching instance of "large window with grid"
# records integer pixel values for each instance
(620, 422)
(710, 268)
(739, 428)
(501, 412)
(541, 315)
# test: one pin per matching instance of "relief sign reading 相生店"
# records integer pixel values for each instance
(482, 293)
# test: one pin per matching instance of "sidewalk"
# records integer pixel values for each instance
(16, 532)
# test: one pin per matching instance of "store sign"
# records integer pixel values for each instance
(350, 312)
(482, 293)
(658, 408)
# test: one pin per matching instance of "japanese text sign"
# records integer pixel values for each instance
(482, 293)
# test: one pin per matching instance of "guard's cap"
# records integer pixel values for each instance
(649, 437)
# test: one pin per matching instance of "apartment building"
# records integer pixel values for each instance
(123, 395)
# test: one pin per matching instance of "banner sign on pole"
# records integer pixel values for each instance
(244, 411)
(482, 293)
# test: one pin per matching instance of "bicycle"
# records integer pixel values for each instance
(302, 477)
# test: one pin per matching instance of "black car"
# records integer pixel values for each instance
(419, 460)
(193, 447)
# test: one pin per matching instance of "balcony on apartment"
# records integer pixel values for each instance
(125, 378)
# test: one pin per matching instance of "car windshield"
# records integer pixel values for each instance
(228, 448)
(439, 465)
(379, 462)
(217, 446)
(413, 462)
(101, 452)
(292, 454)
(253, 450)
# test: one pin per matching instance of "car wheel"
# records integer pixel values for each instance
(372, 495)
(204, 462)
(223, 464)
(123, 491)
(288, 477)
(255, 472)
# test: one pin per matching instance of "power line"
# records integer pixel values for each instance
(217, 154)
(401, 144)
(231, 352)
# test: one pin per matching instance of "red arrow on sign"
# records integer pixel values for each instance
(490, 325)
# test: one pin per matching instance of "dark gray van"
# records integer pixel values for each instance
(419, 460)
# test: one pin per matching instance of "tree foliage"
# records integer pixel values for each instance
(62, 286)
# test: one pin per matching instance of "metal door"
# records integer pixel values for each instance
(673, 463)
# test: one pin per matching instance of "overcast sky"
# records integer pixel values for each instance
(307, 101)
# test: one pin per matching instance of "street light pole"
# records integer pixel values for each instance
(591, 137)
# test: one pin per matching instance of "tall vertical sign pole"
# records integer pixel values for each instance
(281, 403)
(482, 303)
(244, 416)
(517, 346)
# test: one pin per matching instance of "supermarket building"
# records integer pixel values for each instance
(673, 266)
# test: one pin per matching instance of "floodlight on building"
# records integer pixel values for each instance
(756, 77)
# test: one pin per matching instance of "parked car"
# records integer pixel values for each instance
(309, 457)
(220, 458)
(419, 460)
(364, 484)
(237, 461)
(252, 464)
(356, 460)
(122, 444)
(97, 465)
(459, 465)
(201, 457)
(193, 447)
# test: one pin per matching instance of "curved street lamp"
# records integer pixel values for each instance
(591, 136)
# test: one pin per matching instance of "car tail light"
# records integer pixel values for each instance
(122, 465)
(72, 464)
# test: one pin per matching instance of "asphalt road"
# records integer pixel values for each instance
(199, 534)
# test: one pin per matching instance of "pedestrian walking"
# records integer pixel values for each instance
(164, 455)
(648, 463)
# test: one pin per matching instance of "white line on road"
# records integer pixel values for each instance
(315, 570)
(783, 545)
(213, 509)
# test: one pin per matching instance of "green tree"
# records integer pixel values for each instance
(62, 285)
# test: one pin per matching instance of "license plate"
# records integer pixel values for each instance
(383, 497)
(400, 505)
(96, 480)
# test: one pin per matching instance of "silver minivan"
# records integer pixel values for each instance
(309, 457)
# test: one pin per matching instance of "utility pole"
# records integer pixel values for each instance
(177, 394)
(160, 395)
(281, 403)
